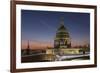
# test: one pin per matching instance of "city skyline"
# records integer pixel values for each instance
(39, 27)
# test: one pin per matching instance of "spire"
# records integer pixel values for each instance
(28, 45)
(28, 48)
(62, 20)
(62, 27)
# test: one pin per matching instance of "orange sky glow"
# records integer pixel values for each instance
(44, 45)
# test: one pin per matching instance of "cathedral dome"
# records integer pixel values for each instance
(62, 39)
(62, 27)
(62, 33)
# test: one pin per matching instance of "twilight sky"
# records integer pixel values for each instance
(39, 27)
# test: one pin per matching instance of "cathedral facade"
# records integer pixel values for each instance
(62, 43)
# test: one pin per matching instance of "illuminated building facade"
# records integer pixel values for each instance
(62, 39)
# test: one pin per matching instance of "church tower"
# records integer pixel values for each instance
(28, 49)
(62, 39)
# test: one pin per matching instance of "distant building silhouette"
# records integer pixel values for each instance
(28, 49)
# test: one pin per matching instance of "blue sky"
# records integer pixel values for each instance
(42, 25)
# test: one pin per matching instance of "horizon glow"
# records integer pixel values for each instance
(39, 27)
